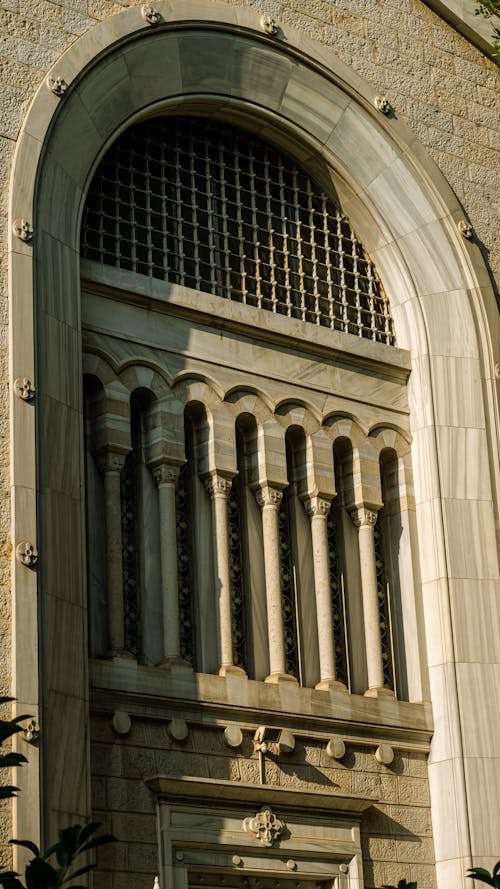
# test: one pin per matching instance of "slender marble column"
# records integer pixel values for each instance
(111, 464)
(269, 500)
(364, 520)
(219, 488)
(166, 476)
(318, 509)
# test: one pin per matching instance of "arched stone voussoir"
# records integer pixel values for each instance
(392, 437)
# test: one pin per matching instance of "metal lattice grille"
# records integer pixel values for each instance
(211, 207)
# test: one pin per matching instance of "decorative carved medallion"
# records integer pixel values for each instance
(269, 25)
(57, 85)
(150, 15)
(32, 731)
(26, 553)
(22, 229)
(265, 825)
(465, 229)
(24, 388)
(382, 104)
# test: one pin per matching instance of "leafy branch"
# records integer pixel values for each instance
(490, 10)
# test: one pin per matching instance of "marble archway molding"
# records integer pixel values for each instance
(217, 57)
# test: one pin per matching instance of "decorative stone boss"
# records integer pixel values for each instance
(265, 825)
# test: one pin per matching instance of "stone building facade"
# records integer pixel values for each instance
(250, 436)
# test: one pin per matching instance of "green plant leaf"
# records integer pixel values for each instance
(8, 791)
(99, 841)
(27, 845)
(40, 875)
(9, 760)
(481, 874)
(78, 873)
(88, 830)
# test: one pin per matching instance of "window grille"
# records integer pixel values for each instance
(384, 609)
(212, 207)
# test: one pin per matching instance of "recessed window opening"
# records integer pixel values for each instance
(212, 207)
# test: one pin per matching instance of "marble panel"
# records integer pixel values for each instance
(76, 128)
(154, 69)
(475, 608)
(433, 563)
(261, 76)
(481, 775)
(433, 259)
(313, 103)
(207, 61)
(479, 690)
(106, 100)
(457, 391)
(65, 761)
(65, 669)
(398, 198)
(361, 147)
(446, 741)
(438, 643)
(56, 284)
(60, 519)
(471, 543)
(450, 321)
(62, 426)
(60, 218)
(463, 457)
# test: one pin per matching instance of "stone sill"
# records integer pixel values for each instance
(223, 314)
(229, 791)
(206, 699)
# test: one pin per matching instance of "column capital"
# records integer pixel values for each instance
(363, 517)
(317, 506)
(110, 461)
(268, 496)
(165, 473)
(218, 485)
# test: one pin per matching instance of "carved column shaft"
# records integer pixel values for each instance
(318, 510)
(365, 519)
(166, 476)
(269, 500)
(219, 489)
(111, 465)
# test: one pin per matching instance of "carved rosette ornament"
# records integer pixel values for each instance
(26, 553)
(265, 826)
(218, 485)
(382, 104)
(267, 496)
(465, 229)
(22, 229)
(57, 85)
(363, 517)
(269, 25)
(150, 15)
(317, 506)
(165, 474)
(24, 388)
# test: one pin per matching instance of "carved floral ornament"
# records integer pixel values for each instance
(265, 825)
(22, 229)
(382, 104)
(269, 25)
(150, 15)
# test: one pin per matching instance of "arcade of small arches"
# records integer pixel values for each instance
(245, 537)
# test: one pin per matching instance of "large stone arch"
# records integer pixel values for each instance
(219, 56)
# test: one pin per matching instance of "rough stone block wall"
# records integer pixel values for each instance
(396, 830)
(440, 83)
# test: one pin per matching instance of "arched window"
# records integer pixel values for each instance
(254, 564)
(214, 208)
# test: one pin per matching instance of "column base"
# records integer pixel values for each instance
(281, 677)
(327, 684)
(379, 693)
(231, 670)
(121, 655)
(173, 662)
